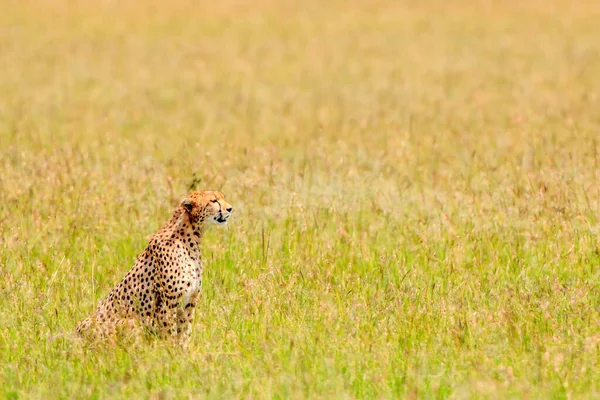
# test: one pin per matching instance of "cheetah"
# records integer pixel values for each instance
(160, 291)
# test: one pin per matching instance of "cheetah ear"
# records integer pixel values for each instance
(187, 204)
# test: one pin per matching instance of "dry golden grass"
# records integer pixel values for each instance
(415, 185)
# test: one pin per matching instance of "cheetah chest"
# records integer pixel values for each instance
(194, 282)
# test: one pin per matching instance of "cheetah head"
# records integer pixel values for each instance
(207, 208)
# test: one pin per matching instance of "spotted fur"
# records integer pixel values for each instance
(160, 292)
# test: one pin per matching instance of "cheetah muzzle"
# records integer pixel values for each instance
(161, 290)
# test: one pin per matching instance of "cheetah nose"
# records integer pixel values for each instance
(229, 209)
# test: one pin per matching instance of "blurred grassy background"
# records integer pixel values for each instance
(415, 185)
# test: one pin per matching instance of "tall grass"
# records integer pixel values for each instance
(415, 189)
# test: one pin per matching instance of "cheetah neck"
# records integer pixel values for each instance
(196, 231)
(190, 233)
(180, 228)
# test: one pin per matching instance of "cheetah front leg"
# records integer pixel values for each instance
(185, 315)
(166, 317)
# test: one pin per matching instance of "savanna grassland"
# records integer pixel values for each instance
(415, 188)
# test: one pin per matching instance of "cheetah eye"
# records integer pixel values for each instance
(214, 200)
